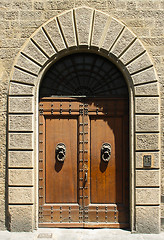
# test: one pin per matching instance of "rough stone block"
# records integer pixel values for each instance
(67, 4)
(20, 141)
(2, 213)
(30, 15)
(147, 219)
(152, 41)
(44, 43)
(54, 34)
(51, 5)
(123, 42)
(145, 76)
(162, 209)
(32, 51)
(20, 89)
(11, 15)
(150, 89)
(66, 22)
(39, 5)
(7, 53)
(142, 32)
(162, 225)
(20, 177)
(147, 178)
(21, 195)
(147, 123)
(83, 22)
(101, 24)
(147, 105)
(132, 52)
(2, 192)
(22, 5)
(28, 65)
(49, 15)
(23, 77)
(147, 141)
(20, 158)
(140, 63)
(20, 104)
(154, 32)
(147, 5)
(20, 122)
(113, 32)
(21, 218)
(155, 159)
(148, 196)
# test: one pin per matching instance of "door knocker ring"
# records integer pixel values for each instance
(106, 152)
(60, 152)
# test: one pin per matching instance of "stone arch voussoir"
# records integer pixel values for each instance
(88, 28)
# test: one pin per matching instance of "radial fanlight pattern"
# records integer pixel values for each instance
(83, 74)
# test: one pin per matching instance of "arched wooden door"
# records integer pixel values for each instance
(83, 162)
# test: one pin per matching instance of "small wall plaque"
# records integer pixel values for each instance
(147, 161)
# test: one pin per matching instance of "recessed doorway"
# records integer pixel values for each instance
(83, 144)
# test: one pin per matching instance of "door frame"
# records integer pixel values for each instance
(131, 98)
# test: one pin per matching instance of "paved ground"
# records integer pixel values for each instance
(79, 234)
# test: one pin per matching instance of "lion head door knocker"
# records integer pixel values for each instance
(106, 152)
(60, 152)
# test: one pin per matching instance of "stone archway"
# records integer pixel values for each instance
(90, 30)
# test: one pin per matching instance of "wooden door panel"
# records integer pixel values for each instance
(103, 175)
(61, 177)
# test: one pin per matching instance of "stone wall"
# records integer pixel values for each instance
(4, 80)
(20, 18)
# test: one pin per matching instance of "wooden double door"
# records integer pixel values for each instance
(83, 163)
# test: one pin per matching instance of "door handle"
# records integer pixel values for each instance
(86, 177)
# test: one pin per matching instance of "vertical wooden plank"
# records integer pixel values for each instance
(61, 177)
(103, 175)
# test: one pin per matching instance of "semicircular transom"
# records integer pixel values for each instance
(83, 74)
